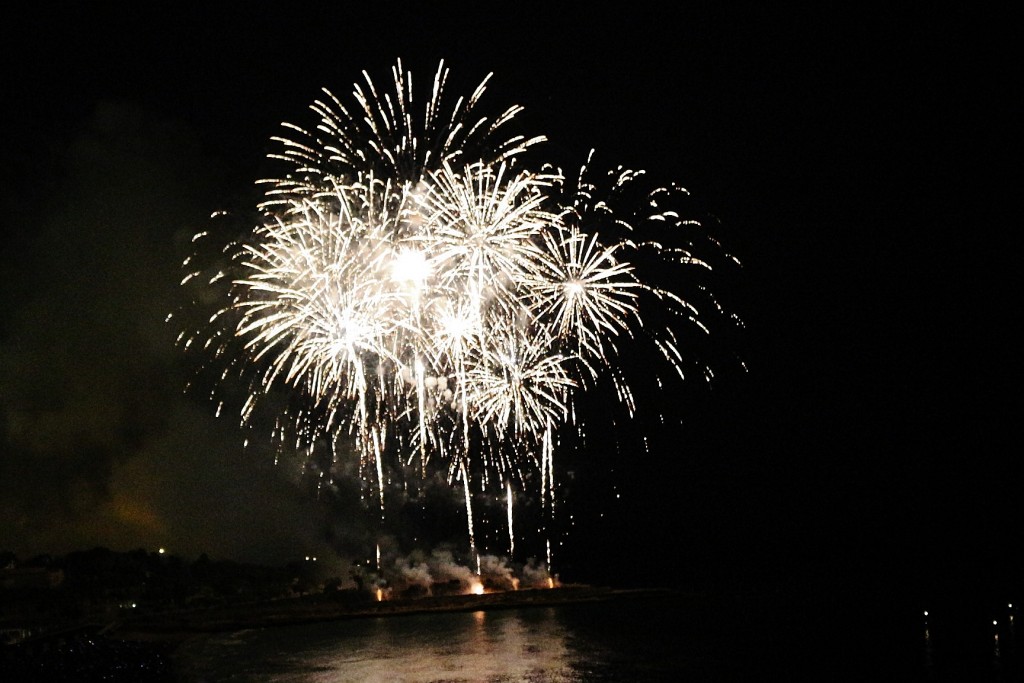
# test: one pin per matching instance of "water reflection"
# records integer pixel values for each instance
(505, 645)
(475, 646)
(971, 641)
(634, 640)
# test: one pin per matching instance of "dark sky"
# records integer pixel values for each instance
(855, 161)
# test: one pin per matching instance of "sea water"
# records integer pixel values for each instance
(645, 639)
(604, 641)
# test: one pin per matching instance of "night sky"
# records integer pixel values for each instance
(856, 163)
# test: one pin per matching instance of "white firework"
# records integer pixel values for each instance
(431, 296)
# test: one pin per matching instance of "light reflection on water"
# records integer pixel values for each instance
(502, 645)
(663, 639)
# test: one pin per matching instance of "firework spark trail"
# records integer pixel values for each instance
(411, 277)
(511, 534)
(385, 137)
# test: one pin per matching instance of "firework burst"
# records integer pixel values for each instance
(433, 302)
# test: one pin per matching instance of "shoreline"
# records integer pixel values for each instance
(179, 626)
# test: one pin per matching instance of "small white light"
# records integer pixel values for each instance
(926, 612)
(995, 623)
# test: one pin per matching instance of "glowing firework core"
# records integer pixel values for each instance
(410, 266)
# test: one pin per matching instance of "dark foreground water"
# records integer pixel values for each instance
(822, 635)
(675, 639)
